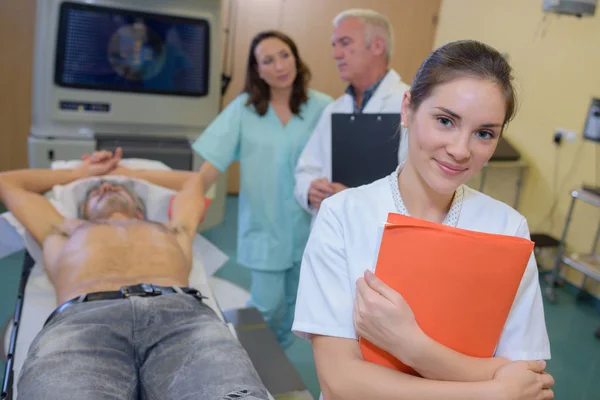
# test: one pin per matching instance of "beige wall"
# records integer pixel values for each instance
(308, 22)
(557, 63)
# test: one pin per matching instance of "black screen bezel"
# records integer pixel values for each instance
(60, 49)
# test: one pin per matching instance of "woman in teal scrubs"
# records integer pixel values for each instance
(265, 128)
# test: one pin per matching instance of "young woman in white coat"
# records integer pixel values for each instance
(455, 112)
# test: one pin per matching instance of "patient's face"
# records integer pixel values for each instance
(455, 131)
(109, 201)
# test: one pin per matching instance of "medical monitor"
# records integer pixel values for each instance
(126, 67)
(110, 49)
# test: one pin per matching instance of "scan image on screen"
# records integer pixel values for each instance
(120, 50)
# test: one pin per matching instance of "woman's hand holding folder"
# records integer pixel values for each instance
(384, 318)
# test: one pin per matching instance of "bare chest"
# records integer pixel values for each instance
(117, 251)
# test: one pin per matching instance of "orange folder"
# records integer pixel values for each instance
(460, 284)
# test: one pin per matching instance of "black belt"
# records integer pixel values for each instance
(140, 290)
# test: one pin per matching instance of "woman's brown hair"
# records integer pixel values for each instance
(258, 90)
(464, 58)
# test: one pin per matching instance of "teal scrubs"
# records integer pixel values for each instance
(272, 228)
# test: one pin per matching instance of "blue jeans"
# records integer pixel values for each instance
(166, 347)
(274, 295)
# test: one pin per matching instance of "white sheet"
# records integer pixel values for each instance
(40, 298)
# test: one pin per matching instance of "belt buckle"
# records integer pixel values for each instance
(125, 291)
(151, 290)
(197, 294)
(142, 290)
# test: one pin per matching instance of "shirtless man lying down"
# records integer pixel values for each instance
(128, 327)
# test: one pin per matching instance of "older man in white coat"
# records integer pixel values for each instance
(362, 44)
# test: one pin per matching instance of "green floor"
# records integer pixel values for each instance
(575, 360)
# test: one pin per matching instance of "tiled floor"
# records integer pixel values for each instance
(576, 352)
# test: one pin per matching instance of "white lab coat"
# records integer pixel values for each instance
(315, 160)
(345, 241)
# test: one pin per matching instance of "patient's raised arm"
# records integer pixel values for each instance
(171, 179)
(21, 192)
(41, 180)
(32, 210)
(189, 206)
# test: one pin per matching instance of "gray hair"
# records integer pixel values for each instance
(376, 24)
(127, 186)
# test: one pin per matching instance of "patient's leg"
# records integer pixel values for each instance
(191, 354)
(83, 353)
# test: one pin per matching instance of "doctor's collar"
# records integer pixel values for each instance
(367, 94)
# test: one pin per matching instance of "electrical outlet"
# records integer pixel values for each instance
(564, 134)
(570, 136)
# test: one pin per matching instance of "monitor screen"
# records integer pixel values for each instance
(112, 49)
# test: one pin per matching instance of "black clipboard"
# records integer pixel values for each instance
(364, 147)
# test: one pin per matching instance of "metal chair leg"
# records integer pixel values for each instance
(550, 292)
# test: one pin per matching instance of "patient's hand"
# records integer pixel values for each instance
(383, 317)
(101, 162)
(121, 171)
